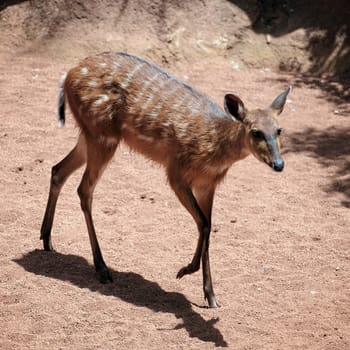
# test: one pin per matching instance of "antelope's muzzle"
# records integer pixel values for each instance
(277, 162)
(278, 165)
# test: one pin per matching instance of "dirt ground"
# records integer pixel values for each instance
(279, 247)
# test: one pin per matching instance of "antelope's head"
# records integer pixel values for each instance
(262, 132)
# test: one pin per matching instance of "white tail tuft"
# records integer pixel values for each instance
(60, 107)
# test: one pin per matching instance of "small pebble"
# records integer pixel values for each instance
(268, 39)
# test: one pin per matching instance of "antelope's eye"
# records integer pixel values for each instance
(257, 134)
(279, 131)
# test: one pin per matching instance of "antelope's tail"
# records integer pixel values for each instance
(61, 102)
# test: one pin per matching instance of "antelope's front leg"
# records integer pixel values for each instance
(205, 197)
(200, 209)
(207, 281)
(187, 199)
(202, 251)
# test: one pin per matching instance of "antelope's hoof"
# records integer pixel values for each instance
(181, 273)
(212, 302)
(104, 276)
(47, 245)
(187, 270)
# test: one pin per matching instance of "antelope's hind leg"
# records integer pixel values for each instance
(59, 174)
(98, 156)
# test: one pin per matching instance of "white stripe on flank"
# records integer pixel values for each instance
(179, 102)
(145, 87)
(154, 93)
(116, 65)
(155, 110)
(129, 76)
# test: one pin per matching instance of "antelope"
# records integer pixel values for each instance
(118, 97)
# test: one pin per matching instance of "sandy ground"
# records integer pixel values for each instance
(279, 250)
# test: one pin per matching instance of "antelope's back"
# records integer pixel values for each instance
(120, 95)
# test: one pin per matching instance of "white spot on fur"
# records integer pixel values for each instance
(213, 132)
(92, 83)
(84, 70)
(108, 79)
(103, 98)
(103, 64)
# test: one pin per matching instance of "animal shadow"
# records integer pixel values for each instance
(127, 286)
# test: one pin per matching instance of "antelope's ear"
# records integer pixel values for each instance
(234, 107)
(279, 102)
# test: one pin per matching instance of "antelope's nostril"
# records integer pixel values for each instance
(278, 165)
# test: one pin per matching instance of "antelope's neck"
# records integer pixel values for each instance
(233, 141)
(241, 141)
